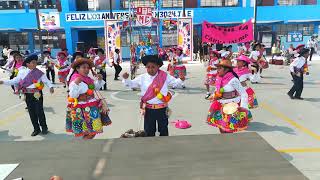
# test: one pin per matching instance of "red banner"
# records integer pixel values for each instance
(227, 35)
(144, 16)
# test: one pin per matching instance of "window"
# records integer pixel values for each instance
(215, 3)
(265, 2)
(306, 29)
(172, 3)
(296, 2)
(136, 3)
(44, 4)
(4, 5)
(52, 39)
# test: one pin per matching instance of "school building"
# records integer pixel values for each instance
(79, 24)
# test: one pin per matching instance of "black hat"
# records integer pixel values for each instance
(255, 45)
(153, 59)
(12, 53)
(78, 53)
(303, 51)
(30, 58)
(100, 50)
(46, 52)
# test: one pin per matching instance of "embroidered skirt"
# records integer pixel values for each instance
(252, 99)
(179, 71)
(210, 79)
(86, 119)
(62, 74)
(235, 122)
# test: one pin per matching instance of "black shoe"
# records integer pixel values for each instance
(299, 98)
(116, 79)
(291, 96)
(44, 131)
(35, 133)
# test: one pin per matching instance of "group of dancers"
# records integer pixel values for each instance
(231, 99)
(87, 110)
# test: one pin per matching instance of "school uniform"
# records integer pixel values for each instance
(34, 96)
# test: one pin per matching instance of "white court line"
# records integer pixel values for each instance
(12, 107)
(107, 146)
(99, 168)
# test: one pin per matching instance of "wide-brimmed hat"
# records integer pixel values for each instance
(180, 48)
(153, 59)
(244, 58)
(46, 52)
(12, 53)
(29, 59)
(225, 63)
(62, 53)
(303, 51)
(255, 45)
(78, 53)
(300, 46)
(79, 61)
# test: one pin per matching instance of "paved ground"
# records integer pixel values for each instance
(290, 126)
(201, 157)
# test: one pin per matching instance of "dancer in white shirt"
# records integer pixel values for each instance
(155, 94)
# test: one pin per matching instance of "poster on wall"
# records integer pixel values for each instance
(294, 37)
(185, 35)
(227, 35)
(49, 20)
(144, 16)
(112, 37)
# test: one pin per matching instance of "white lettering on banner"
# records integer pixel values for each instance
(124, 15)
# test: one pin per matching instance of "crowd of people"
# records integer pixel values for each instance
(227, 80)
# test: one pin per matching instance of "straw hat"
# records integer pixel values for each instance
(225, 63)
(79, 61)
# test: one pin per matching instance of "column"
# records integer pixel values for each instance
(117, 4)
(71, 39)
(68, 5)
(30, 42)
(199, 3)
(26, 6)
(275, 2)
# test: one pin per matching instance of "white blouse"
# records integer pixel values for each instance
(75, 90)
(144, 81)
(254, 55)
(245, 77)
(235, 85)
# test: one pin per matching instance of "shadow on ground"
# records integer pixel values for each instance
(4, 136)
(262, 127)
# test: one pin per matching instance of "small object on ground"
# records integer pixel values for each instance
(132, 134)
(182, 124)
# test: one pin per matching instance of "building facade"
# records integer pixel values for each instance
(276, 19)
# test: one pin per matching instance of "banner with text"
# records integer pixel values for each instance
(185, 35)
(227, 35)
(123, 15)
(144, 16)
(112, 38)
